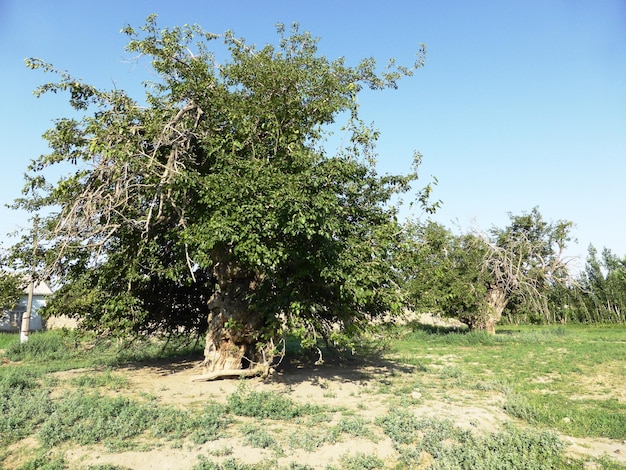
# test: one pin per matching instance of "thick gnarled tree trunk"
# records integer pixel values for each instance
(496, 302)
(232, 345)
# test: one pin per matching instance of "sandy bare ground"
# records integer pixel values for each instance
(348, 387)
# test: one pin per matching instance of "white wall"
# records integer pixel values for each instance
(12, 320)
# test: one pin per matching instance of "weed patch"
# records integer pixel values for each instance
(356, 426)
(107, 380)
(44, 462)
(258, 436)
(91, 418)
(361, 462)
(8, 339)
(210, 423)
(24, 404)
(566, 379)
(451, 447)
(270, 405)
(312, 438)
(228, 464)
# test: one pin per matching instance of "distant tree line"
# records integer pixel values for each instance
(517, 274)
(599, 293)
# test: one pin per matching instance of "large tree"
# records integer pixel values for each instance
(216, 205)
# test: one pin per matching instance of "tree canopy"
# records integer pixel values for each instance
(217, 198)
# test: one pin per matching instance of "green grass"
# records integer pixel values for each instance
(8, 339)
(255, 435)
(229, 464)
(24, 404)
(58, 350)
(108, 379)
(538, 369)
(586, 418)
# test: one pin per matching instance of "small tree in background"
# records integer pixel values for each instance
(217, 199)
(445, 274)
(475, 276)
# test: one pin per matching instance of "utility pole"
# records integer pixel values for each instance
(25, 329)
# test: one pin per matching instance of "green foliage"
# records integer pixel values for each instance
(11, 290)
(45, 462)
(66, 349)
(223, 173)
(7, 340)
(227, 464)
(210, 423)
(107, 379)
(356, 426)
(312, 438)
(444, 271)
(559, 378)
(258, 436)
(84, 416)
(597, 418)
(24, 404)
(512, 448)
(553, 378)
(91, 418)
(106, 467)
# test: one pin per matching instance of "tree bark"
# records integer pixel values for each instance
(232, 342)
(496, 302)
(25, 326)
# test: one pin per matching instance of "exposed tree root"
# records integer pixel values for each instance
(233, 374)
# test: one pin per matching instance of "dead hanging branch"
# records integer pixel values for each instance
(524, 266)
(128, 168)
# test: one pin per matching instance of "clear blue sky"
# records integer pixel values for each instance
(521, 103)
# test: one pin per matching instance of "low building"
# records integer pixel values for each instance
(11, 320)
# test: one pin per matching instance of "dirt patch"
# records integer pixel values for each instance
(20, 452)
(599, 384)
(584, 448)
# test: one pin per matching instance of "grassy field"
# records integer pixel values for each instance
(527, 398)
